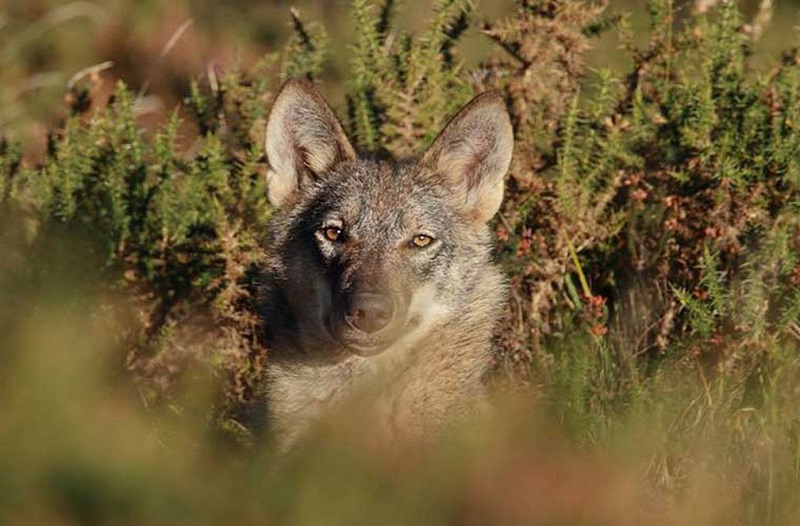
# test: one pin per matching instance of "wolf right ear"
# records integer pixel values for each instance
(304, 139)
(473, 153)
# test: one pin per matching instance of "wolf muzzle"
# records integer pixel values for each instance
(368, 321)
(370, 312)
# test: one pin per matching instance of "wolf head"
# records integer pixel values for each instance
(366, 254)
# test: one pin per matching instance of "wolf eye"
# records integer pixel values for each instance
(332, 233)
(421, 240)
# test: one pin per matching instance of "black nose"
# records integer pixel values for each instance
(370, 312)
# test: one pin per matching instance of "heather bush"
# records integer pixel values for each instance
(649, 232)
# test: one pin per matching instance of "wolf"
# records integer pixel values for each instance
(380, 280)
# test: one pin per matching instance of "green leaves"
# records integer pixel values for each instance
(405, 86)
(306, 51)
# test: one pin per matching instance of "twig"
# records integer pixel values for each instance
(91, 70)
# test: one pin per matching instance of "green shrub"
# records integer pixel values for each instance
(650, 229)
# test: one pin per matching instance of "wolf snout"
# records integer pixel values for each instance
(370, 312)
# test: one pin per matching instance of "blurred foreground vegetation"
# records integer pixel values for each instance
(647, 369)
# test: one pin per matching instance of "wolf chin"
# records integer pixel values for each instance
(379, 280)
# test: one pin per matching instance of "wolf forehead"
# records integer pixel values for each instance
(368, 190)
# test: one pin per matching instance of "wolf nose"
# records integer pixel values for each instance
(370, 312)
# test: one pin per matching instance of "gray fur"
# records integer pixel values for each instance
(428, 364)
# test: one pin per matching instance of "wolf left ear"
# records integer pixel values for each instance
(304, 139)
(473, 153)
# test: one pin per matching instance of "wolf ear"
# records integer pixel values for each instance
(473, 152)
(304, 139)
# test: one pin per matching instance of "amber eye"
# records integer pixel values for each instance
(422, 240)
(332, 233)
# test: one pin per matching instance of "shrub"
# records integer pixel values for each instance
(650, 228)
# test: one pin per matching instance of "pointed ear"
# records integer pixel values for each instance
(473, 152)
(304, 139)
